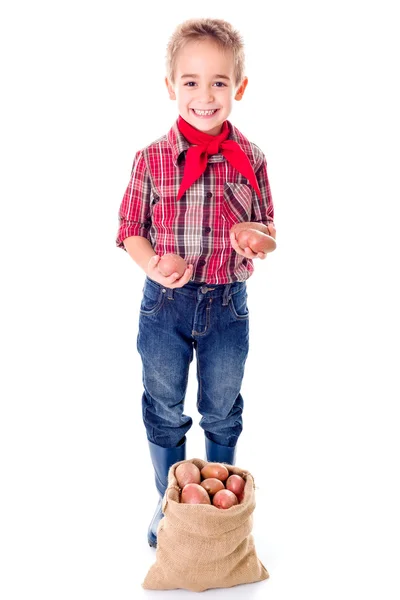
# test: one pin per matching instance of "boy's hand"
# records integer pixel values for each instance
(247, 252)
(272, 230)
(172, 281)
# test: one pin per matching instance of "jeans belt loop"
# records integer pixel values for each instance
(225, 297)
(170, 293)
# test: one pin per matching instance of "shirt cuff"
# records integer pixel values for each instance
(126, 231)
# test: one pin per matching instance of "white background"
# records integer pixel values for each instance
(82, 91)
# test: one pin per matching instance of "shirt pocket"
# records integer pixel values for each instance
(237, 202)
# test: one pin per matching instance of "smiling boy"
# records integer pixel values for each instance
(203, 83)
(186, 191)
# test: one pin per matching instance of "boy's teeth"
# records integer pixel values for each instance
(204, 113)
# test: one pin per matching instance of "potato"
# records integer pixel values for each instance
(187, 473)
(217, 470)
(242, 237)
(171, 263)
(236, 484)
(259, 242)
(193, 493)
(269, 231)
(250, 225)
(212, 485)
(255, 240)
(225, 499)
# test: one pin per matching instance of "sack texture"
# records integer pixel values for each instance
(200, 546)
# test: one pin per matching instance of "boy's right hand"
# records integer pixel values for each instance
(172, 281)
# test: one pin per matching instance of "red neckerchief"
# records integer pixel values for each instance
(204, 146)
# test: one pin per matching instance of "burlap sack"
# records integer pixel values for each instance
(200, 546)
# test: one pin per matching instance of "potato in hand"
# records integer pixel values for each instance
(255, 236)
(171, 263)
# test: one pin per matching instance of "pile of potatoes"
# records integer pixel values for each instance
(211, 485)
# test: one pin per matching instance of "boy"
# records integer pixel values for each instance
(187, 190)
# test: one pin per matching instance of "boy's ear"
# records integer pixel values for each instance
(241, 88)
(170, 89)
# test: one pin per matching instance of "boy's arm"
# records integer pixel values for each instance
(262, 210)
(134, 223)
(134, 212)
(140, 250)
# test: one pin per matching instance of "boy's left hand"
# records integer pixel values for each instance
(247, 252)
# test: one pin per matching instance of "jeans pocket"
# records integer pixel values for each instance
(237, 205)
(238, 305)
(152, 298)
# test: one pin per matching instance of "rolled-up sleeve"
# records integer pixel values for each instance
(134, 212)
(263, 210)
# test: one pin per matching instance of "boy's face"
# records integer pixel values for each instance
(205, 85)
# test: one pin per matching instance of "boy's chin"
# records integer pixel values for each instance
(215, 130)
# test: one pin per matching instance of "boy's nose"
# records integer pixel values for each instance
(206, 95)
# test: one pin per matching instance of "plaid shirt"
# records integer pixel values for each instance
(197, 226)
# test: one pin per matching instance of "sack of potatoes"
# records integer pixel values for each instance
(204, 540)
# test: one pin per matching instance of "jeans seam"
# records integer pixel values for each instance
(200, 391)
(233, 311)
(157, 307)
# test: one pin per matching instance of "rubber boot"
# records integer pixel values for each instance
(162, 459)
(222, 454)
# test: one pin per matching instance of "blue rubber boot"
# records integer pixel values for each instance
(222, 454)
(162, 459)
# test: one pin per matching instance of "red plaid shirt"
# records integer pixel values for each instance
(197, 226)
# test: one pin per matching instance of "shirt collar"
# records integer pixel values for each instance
(179, 143)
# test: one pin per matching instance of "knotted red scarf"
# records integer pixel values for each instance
(205, 146)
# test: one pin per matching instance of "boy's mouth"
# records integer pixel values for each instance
(204, 113)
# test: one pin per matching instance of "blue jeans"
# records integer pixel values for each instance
(213, 320)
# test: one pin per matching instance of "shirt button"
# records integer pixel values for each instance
(207, 229)
(201, 262)
(209, 195)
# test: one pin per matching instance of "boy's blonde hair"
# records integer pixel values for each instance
(221, 32)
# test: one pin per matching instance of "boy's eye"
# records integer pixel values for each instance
(217, 84)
